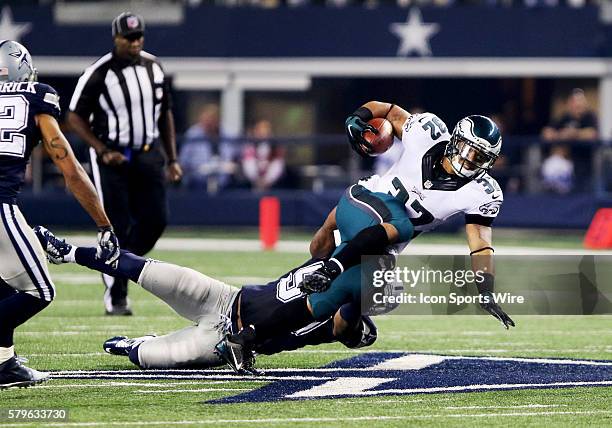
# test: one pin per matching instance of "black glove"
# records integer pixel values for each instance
(108, 246)
(320, 280)
(355, 126)
(485, 288)
(489, 305)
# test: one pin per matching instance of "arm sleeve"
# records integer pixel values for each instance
(46, 101)
(85, 97)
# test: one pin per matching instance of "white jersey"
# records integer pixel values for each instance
(431, 197)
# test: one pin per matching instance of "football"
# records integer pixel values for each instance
(382, 141)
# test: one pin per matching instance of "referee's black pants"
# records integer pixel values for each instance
(134, 196)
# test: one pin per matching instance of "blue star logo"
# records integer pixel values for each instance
(21, 55)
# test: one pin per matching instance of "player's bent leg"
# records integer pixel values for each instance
(190, 293)
(190, 347)
(26, 290)
(352, 328)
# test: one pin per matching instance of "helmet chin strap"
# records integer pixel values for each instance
(458, 167)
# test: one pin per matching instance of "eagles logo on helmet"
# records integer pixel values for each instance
(474, 146)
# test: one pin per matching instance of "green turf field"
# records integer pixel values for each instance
(69, 334)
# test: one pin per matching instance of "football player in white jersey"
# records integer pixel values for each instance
(437, 176)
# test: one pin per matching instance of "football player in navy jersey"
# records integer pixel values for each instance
(215, 310)
(28, 114)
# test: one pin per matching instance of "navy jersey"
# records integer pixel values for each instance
(20, 102)
(258, 301)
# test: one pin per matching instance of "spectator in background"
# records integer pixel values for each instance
(207, 160)
(263, 161)
(578, 123)
(558, 170)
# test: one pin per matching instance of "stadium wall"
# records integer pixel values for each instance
(308, 209)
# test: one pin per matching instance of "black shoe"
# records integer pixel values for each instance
(13, 374)
(237, 350)
(119, 310)
(122, 345)
(114, 306)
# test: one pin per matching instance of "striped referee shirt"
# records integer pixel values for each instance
(123, 99)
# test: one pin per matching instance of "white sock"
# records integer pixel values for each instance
(6, 353)
(70, 257)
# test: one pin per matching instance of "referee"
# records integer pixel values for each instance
(121, 108)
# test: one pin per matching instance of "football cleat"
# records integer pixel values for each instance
(120, 307)
(13, 374)
(122, 345)
(55, 248)
(236, 350)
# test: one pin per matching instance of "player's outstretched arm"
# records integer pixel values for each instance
(370, 241)
(60, 152)
(322, 244)
(80, 185)
(481, 250)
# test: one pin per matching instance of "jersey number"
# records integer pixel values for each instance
(289, 287)
(402, 194)
(489, 186)
(13, 119)
(436, 128)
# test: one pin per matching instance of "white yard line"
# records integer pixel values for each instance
(526, 406)
(314, 420)
(181, 391)
(590, 349)
(253, 245)
(134, 384)
(215, 372)
(445, 351)
(87, 278)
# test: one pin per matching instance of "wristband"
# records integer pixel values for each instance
(482, 249)
(364, 114)
(389, 111)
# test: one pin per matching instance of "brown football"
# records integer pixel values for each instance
(382, 141)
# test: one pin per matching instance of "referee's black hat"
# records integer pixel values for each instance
(128, 23)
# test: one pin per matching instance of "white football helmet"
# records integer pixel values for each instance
(15, 63)
(474, 146)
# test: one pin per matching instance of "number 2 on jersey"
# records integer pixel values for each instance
(13, 119)
(436, 128)
(402, 194)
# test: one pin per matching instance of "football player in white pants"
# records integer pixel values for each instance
(214, 308)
